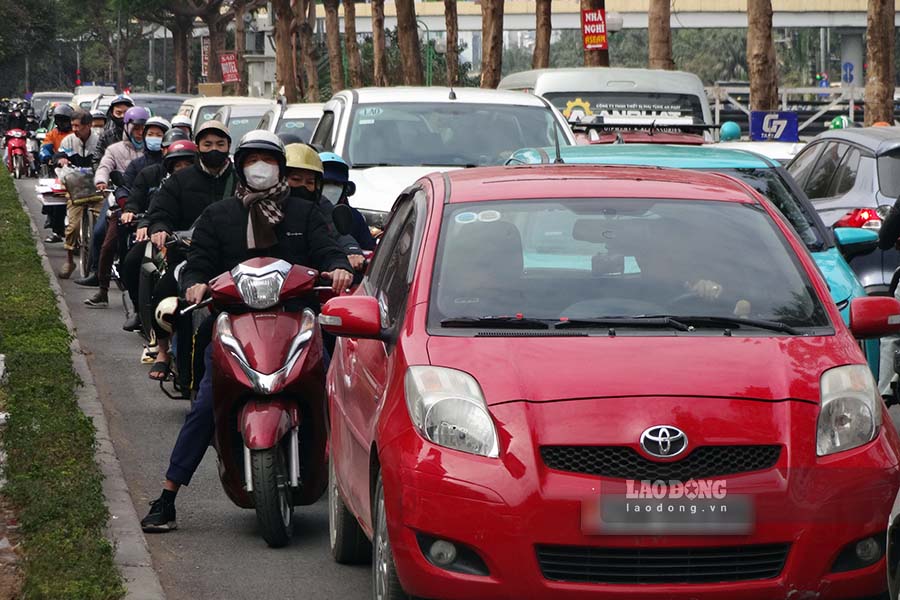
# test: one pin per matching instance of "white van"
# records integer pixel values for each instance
(612, 92)
(204, 108)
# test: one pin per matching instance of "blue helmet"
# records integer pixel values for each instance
(729, 131)
(337, 170)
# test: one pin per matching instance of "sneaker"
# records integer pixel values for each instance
(90, 281)
(133, 323)
(53, 239)
(98, 300)
(161, 517)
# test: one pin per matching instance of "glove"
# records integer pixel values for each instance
(46, 152)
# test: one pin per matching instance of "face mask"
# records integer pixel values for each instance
(214, 159)
(65, 126)
(97, 130)
(261, 175)
(137, 144)
(303, 193)
(154, 144)
(333, 192)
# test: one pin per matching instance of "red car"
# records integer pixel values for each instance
(605, 382)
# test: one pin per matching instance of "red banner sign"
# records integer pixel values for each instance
(593, 29)
(230, 73)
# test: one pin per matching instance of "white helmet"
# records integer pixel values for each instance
(181, 121)
(165, 313)
(158, 122)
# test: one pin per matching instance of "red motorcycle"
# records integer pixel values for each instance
(17, 152)
(269, 391)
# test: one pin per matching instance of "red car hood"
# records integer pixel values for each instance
(542, 369)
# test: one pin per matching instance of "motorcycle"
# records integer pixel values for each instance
(269, 391)
(17, 152)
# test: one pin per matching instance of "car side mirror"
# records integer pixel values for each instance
(353, 317)
(342, 215)
(874, 317)
(855, 241)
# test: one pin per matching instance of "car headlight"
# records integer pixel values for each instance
(260, 291)
(850, 412)
(447, 408)
(267, 383)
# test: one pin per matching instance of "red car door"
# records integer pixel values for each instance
(364, 364)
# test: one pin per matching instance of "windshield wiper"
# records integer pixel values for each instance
(636, 321)
(720, 321)
(496, 323)
(370, 165)
(463, 166)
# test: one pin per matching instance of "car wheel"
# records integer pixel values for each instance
(385, 583)
(349, 544)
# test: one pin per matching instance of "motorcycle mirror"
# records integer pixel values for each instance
(343, 219)
(117, 179)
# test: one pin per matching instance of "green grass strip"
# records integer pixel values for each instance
(52, 476)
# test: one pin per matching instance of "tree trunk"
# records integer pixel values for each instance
(354, 62)
(378, 56)
(761, 56)
(492, 46)
(181, 39)
(306, 17)
(543, 28)
(217, 25)
(659, 17)
(333, 40)
(452, 56)
(880, 60)
(284, 55)
(240, 46)
(595, 58)
(408, 40)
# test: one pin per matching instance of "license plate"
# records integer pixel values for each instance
(621, 515)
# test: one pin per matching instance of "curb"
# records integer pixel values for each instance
(132, 556)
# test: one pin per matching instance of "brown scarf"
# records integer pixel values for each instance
(265, 213)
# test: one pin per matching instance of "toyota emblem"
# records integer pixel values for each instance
(663, 441)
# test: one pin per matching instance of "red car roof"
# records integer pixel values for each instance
(592, 181)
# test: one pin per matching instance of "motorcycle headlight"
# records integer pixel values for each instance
(850, 412)
(260, 291)
(448, 409)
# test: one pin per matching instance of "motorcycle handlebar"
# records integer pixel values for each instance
(189, 309)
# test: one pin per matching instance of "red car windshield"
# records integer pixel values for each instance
(605, 258)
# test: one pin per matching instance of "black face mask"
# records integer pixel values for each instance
(64, 126)
(214, 159)
(119, 121)
(303, 193)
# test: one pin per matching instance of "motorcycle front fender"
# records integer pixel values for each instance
(263, 423)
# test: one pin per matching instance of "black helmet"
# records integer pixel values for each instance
(259, 140)
(289, 138)
(63, 110)
(173, 135)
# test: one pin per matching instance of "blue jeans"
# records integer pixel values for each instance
(197, 432)
(97, 240)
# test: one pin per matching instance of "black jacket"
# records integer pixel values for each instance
(142, 190)
(135, 167)
(220, 241)
(112, 133)
(890, 228)
(183, 196)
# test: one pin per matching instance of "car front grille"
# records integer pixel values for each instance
(622, 462)
(661, 565)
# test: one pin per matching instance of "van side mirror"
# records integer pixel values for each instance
(874, 317)
(855, 241)
(342, 215)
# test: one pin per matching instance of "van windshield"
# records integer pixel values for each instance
(575, 105)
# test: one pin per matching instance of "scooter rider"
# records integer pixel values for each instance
(261, 220)
(115, 126)
(337, 189)
(62, 121)
(182, 198)
(889, 237)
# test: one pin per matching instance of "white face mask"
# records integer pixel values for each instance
(261, 175)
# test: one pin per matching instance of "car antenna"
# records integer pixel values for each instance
(452, 93)
(558, 160)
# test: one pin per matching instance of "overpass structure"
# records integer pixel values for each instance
(519, 14)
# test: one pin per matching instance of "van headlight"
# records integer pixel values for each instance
(850, 412)
(448, 409)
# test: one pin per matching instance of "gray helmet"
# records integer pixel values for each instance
(259, 140)
(173, 135)
(63, 110)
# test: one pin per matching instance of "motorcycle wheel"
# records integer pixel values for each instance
(19, 166)
(272, 495)
(385, 583)
(87, 231)
(349, 545)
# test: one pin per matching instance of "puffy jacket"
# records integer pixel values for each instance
(116, 158)
(51, 142)
(112, 134)
(890, 228)
(142, 190)
(184, 195)
(137, 165)
(80, 153)
(219, 242)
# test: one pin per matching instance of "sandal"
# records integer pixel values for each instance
(159, 371)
